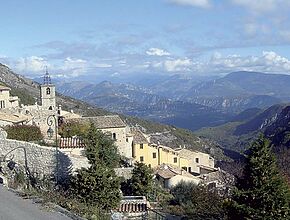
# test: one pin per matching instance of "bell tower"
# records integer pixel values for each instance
(47, 93)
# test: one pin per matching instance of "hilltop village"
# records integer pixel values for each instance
(170, 166)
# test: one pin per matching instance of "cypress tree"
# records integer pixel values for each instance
(98, 185)
(141, 182)
(261, 193)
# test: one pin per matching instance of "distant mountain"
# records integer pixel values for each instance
(138, 101)
(175, 86)
(239, 91)
(235, 104)
(29, 91)
(237, 135)
(239, 84)
(186, 101)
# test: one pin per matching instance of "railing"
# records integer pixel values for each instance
(71, 143)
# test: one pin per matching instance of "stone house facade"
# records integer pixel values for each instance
(154, 155)
(7, 101)
(113, 126)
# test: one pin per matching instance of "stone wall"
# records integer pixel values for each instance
(40, 159)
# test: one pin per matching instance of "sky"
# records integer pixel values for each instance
(113, 37)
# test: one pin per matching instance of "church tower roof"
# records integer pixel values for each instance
(46, 78)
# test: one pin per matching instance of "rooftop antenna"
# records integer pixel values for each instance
(46, 77)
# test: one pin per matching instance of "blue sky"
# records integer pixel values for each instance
(113, 37)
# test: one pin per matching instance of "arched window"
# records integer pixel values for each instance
(47, 91)
(114, 136)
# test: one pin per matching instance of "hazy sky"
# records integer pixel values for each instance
(75, 38)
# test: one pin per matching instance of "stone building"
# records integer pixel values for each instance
(114, 126)
(47, 94)
(7, 101)
(169, 176)
(198, 162)
(8, 118)
(154, 155)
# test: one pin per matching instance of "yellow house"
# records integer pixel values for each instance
(196, 162)
(154, 155)
(142, 151)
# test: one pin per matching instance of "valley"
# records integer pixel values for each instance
(185, 101)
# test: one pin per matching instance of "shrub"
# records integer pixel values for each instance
(24, 132)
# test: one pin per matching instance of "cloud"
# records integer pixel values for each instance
(261, 6)
(32, 64)
(74, 67)
(177, 65)
(102, 65)
(285, 34)
(269, 62)
(194, 3)
(173, 65)
(253, 29)
(157, 52)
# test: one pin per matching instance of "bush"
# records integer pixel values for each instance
(196, 202)
(70, 129)
(24, 133)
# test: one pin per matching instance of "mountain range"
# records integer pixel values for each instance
(28, 91)
(238, 134)
(226, 140)
(186, 101)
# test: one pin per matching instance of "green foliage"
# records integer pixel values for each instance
(98, 185)
(100, 149)
(19, 180)
(196, 202)
(70, 129)
(261, 193)
(159, 194)
(141, 182)
(69, 202)
(24, 132)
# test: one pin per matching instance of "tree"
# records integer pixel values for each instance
(100, 149)
(196, 202)
(141, 182)
(98, 185)
(261, 193)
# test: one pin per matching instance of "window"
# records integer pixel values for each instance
(127, 140)
(2, 104)
(154, 155)
(185, 168)
(47, 91)
(50, 108)
(141, 146)
(141, 159)
(189, 169)
(114, 136)
(149, 165)
(175, 159)
(197, 160)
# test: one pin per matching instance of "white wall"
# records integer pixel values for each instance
(179, 178)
